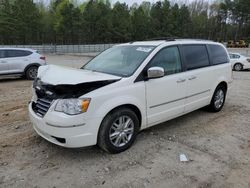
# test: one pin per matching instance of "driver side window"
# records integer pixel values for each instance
(169, 59)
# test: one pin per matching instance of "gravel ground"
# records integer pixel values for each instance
(216, 144)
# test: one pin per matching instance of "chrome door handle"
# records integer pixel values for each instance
(192, 77)
(181, 80)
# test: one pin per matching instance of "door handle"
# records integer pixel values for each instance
(3, 61)
(192, 77)
(181, 80)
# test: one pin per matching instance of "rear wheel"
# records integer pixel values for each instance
(118, 130)
(238, 67)
(31, 72)
(218, 99)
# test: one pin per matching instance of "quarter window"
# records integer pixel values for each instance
(196, 56)
(169, 59)
(218, 54)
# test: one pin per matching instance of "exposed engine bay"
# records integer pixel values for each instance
(64, 91)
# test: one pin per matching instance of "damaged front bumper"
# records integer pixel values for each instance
(65, 130)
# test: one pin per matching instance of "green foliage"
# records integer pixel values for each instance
(97, 21)
(121, 23)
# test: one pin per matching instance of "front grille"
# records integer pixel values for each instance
(41, 106)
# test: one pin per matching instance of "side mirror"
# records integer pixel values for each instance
(155, 72)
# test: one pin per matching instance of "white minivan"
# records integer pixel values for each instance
(127, 88)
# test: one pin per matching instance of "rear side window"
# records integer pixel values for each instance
(218, 54)
(17, 53)
(234, 56)
(196, 56)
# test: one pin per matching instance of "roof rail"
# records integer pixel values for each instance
(168, 39)
(163, 38)
(194, 39)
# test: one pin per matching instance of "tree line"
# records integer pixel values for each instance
(99, 21)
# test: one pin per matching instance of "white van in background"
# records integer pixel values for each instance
(127, 88)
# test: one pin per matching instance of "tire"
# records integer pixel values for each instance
(31, 72)
(238, 67)
(218, 99)
(114, 124)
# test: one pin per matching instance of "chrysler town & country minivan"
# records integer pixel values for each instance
(127, 88)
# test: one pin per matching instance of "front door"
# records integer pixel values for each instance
(166, 95)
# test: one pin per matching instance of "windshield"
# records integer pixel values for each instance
(120, 60)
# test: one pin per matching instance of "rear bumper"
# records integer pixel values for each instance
(71, 132)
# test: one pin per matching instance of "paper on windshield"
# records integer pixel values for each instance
(144, 49)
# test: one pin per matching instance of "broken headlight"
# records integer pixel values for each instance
(72, 106)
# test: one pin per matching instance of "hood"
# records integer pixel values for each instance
(56, 82)
(57, 75)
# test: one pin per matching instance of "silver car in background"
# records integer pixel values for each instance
(239, 62)
(20, 61)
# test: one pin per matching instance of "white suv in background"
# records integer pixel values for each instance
(239, 62)
(20, 61)
(127, 88)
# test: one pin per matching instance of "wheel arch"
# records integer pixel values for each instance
(133, 107)
(31, 65)
(224, 84)
(222, 81)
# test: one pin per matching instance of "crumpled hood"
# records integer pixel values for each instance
(58, 75)
(55, 82)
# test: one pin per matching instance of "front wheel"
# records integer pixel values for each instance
(118, 130)
(218, 99)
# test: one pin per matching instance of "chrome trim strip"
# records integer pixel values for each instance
(70, 126)
(179, 99)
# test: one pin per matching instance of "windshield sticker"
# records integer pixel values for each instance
(144, 49)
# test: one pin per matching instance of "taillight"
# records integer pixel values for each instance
(43, 58)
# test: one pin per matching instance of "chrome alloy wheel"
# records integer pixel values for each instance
(219, 98)
(121, 131)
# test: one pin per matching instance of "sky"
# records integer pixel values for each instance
(129, 2)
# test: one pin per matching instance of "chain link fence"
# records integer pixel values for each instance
(90, 48)
(64, 49)
(243, 51)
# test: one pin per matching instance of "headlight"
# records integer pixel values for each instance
(72, 106)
